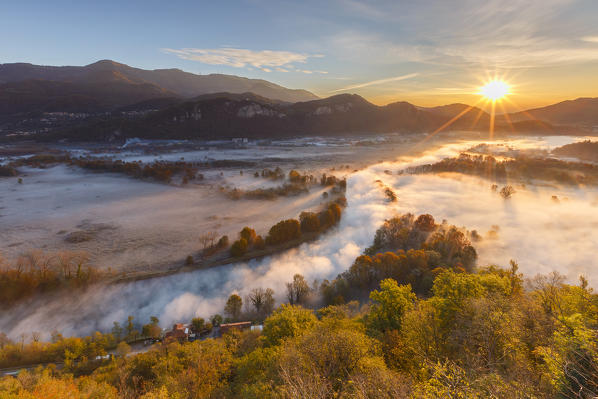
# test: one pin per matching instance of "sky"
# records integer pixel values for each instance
(426, 52)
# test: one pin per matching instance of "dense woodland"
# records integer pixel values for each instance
(432, 326)
(521, 168)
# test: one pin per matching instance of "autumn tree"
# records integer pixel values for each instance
(248, 234)
(239, 248)
(284, 231)
(309, 222)
(152, 330)
(298, 290)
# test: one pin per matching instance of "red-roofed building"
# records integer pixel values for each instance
(179, 332)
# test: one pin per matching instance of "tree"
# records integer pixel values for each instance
(233, 307)
(507, 191)
(216, 320)
(239, 248)
(298, 290)
(117, 331)
(131, 332)
(197, 324)
(391, 303)
(309, 222)
(259, 243)
(262, 300)
(287, 321)
(425, 223)
(152, 330)
(295, 176)
(207, 239)
(222, 242)
(248, 234)
(284, 231)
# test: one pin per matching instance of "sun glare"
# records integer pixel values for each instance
(495, 90)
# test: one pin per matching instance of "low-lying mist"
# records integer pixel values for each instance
(541, 233)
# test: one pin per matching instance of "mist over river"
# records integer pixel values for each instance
(541, 234)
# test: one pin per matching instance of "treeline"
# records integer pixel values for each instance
(290, 229)
(161, 171)
(297, 184)
(517, 169)
(585, 150)
(38, 272)
(476, 335)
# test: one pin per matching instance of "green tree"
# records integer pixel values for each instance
(391, 303)
(117, 331)
(197, 324)
(287, 321)
(233, 307)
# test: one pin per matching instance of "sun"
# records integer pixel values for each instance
(495, 90)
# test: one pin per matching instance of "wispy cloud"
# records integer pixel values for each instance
(494, 33)
(266, 60)
(376, 82)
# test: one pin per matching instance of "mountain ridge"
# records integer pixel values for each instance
(184, 84)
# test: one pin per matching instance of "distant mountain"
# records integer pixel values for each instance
(226, 115)
(469, 117)
(579, 112)
(94, 83)
(93, 95)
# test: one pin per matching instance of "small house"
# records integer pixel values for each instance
(179, 332)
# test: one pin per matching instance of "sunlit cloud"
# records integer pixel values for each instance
(376, 82)
(266, 60)
(468, 33)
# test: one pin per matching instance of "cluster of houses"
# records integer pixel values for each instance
(181, 332)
